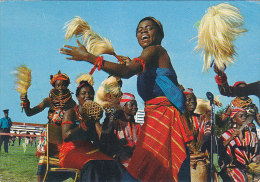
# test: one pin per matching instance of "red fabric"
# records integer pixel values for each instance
(236, 110)
(160, 149)
(239, 82)
(77, 153)
(221, 79)
(60, 76)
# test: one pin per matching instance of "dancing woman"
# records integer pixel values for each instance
(77, 149)
(161, 144)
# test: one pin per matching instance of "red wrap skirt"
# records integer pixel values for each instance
(160, 149)
(77, 153)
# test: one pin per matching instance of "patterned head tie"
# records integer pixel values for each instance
(238, 83)
(126, 97)
(235, 110)
(59, 76)
(188, 91)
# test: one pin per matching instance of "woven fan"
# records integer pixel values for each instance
(94, 43)
(92, 111)
(23, 79)
(218, 28)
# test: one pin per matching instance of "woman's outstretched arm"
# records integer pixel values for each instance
(120, 70)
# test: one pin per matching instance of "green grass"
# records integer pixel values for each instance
(17, 165)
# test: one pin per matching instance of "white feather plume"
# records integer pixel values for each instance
(94, 43)
(218, 28)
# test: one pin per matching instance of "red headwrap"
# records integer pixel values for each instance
(188, 91)
(235, 110)
(59, 76)
(126, 97)
(238, 83)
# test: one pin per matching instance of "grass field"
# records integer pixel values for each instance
(17, 165)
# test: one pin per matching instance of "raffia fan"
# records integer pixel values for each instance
(94, 43)
(218, 28)
(85, 77)
(109, 87)
(23, 79)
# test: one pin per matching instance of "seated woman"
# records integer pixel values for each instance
(77, 149)
(238, 148)
(123, 129)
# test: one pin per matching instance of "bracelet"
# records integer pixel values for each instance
(25, 104)
(98, 64)
(221, 79)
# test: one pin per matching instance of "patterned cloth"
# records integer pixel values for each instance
(128, 135)
(160, 149)
(201, 127)
(238, 154)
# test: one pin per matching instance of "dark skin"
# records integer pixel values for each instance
(59, 85)
(191, 103)
(71, 132)
(127, 115)
(239, 118)
(153, 54)
(6, 114)
(239, 91)
(130, 110)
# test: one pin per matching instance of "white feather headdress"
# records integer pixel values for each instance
(109, 86)
(85, 77)
(94, 43)
(218, 28)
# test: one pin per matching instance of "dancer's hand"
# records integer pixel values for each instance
(77, 53)
(218, 71)
(23, 97)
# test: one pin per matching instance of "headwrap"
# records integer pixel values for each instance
(188, 91)
(157, 22)
(238, 83)
(235, 110)
(59, 76)
(126, 98)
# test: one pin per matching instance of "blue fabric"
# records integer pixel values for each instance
(5, 122)
(156, 82)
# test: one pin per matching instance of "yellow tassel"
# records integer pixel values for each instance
(23, 79)
(218, 28)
